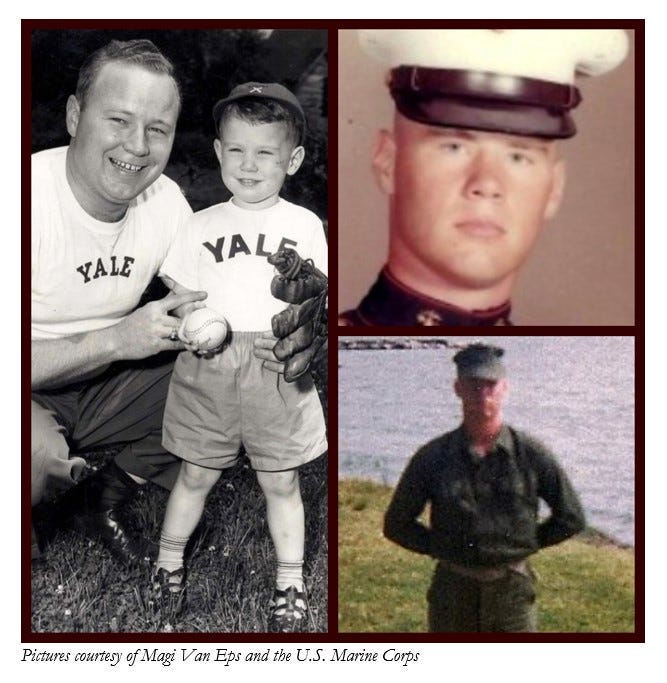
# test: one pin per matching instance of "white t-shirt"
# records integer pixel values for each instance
(88, 274)
(223, 251)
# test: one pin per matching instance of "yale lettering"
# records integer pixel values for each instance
(110, 269)
(238, 245)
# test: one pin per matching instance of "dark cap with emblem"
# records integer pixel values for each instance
(260, 91)
(514, 81)
(480, 361)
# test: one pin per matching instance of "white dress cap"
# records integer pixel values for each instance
(516, 81)
(555, 55)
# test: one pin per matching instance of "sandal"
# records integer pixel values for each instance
(170, 590)
(288, 611)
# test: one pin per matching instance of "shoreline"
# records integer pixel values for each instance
(395, 343)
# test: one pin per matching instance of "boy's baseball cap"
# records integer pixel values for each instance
(267, 91)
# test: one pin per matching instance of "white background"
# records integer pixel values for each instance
(450, 662)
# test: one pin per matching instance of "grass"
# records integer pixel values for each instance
(585, 585)
(78, 587)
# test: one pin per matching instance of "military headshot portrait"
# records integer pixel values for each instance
(487, 175)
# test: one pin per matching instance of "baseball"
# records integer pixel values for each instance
(204, 327)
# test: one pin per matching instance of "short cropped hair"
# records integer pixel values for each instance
(254, 110)
(141, 52)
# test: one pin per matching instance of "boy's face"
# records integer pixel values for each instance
(254, 160)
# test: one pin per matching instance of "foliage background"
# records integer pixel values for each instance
(209, 64)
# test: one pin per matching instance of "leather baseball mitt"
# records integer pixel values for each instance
(302, 327)
(296, 279)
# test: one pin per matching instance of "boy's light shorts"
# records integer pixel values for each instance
(217, 404)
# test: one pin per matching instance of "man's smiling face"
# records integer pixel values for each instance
(121, 137)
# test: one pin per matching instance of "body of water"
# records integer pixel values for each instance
(575, 394)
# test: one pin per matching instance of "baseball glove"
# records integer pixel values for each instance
(302, 327)
(296, 279)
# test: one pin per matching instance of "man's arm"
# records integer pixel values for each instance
(143, 333)
(177, 288)
(567, 515)
(410, 497)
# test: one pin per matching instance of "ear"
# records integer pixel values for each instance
(557, 190)
(72, 114)
(296, 159)
(217, 148)
(384, 158)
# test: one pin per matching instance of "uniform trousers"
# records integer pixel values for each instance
(463, 604)
(121, 407)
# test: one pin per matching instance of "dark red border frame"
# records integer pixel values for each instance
(637, 331)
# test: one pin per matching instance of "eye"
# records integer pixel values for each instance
(118, 119)
(158, 131)
(265, 152)
(521, 158)
(451, 147)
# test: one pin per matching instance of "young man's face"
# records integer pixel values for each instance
(481, 398)
(121, 137)
(467, 205)
(254, 160)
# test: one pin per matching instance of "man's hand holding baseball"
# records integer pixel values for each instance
(151, 329)
(145, 332)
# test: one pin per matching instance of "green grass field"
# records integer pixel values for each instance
(585, 585)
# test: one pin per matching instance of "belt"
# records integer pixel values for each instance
(487, 573)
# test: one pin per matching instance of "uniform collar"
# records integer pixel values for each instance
(390, 302)
(504, 441)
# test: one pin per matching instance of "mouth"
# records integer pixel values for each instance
(248, 182)
(480, 227)
(125, 166)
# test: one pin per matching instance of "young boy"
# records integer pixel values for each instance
(218, 403)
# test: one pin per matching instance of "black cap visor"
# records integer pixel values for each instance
(482, 101)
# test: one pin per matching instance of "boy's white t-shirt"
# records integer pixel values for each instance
(88, 274)
(223, 251)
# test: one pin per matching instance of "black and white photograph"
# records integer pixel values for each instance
(179, 242)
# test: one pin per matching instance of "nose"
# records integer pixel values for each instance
(248, 162)
(136, 142)
(485, 178)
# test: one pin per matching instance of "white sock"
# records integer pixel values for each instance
(172, 549)
(289, 574)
